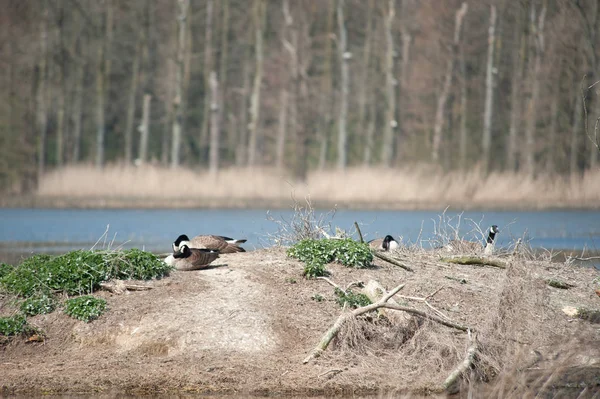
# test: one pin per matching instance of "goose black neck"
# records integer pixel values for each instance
(491, 237)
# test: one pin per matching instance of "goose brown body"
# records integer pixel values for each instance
(224, 245)
(191, 258)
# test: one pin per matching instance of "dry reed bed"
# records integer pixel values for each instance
(419, 186)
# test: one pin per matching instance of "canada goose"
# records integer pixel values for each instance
(191, 258)
(384, 244)
(224, 245)
(472, 246)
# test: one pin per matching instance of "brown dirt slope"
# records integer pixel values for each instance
(245, 325)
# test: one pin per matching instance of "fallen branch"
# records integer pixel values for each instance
(424, 315)
(559, 284)
(424, 300)
(474, 260)
(392, 261)
(332, 332)
(120, 286)
(464, 366)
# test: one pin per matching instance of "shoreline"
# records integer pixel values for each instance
(65, 202)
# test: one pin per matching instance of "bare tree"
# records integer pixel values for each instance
(259, 13)
(391, 123)
(178, 101)
(208, 68)
(41, 108)
(145, 129)
(103, 68)
(443, 97)
(133, 89)
(365, 84)
(344, 61)
(214, 124)
(537, 25)
(327, 98)
(489, 92)
(519, 54)
(464, 134)
(576, 132)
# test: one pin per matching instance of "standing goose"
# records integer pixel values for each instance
(224, 245)
(187, 258)
(384, 244)
(472, 246)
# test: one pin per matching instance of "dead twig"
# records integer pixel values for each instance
(359, 232)
(464, 366)
(332, 332)
(424, 315)
(474, 260)
(424, 300)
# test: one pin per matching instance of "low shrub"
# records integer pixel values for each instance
(317, 253)
(85, 308)
(13, 325)
(40, 304)
(350, 299)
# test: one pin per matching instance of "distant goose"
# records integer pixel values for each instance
(224, 245)
(187, 258)
(384, 244)
(472, 246)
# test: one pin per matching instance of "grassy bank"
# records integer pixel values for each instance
(419, 187)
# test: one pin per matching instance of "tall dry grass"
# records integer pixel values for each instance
(409, 187)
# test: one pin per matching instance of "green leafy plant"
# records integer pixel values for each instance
(40, 304)
(5, 268)
(317, 253)
(317, 298)
(85, 308)
(13, 325)
(350, 299)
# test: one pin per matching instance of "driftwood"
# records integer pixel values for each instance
(393, 261)
(120, 286)
(474, 260)
(463, 366)
(375, 291)
(382, 303)
(332, 332)
(559, 284)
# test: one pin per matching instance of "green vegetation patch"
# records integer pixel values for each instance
(79, 272)
(350, 299)
(85, 308)
(317, 253)
(39, 304)
(14, 325)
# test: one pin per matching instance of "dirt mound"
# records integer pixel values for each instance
(245, 326)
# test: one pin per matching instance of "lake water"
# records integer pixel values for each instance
(58, 230)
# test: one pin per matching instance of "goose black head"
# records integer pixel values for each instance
(389, 243)
(184, 252)
(493, 231)
(178, 241)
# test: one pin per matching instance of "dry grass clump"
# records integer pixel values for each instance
(417, 186)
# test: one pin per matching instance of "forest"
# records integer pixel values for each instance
(299, 85)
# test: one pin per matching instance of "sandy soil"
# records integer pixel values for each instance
(245, 325)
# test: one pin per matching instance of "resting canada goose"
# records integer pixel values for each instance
(384, 244)
(191, 258)
(224, 245)
(472, 246)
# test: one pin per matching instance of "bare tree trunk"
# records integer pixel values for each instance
(145, 129)
(178, 101)
(133, 88)
(576, 132)
(402, 98)
(327, 95)
(489, 93)
(538, 29)
(102, 75)
(241, 150)
(223, 109)
(168, 121)
(62, 92)
(259, 11)
(551, 142)
(365, 82)
(516, 96)
(208, 68)
(344, 60)
(42, 107)
(77, 110)
(280, 151)
(443, 98)
(214, 124)
(391, 123)
(368, 153)
(464, 134)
